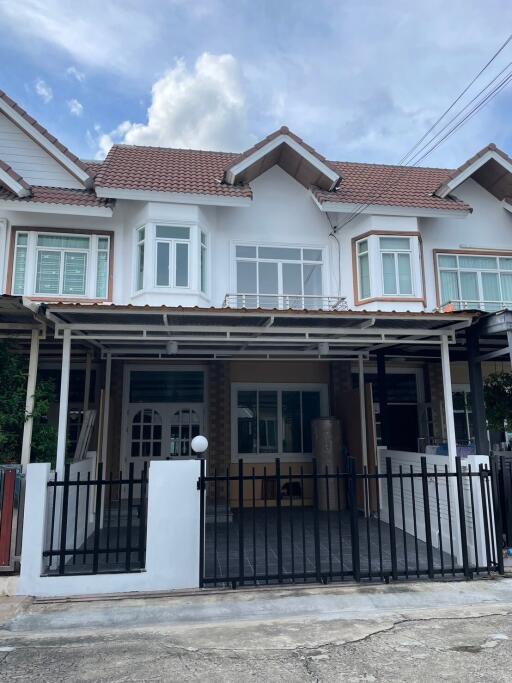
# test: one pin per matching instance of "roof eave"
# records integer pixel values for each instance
(171, 197)
(390, 210)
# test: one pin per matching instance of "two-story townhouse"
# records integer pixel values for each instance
(242, 296)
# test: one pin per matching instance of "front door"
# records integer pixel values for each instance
(160, 432)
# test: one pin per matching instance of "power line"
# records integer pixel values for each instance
(435, 144)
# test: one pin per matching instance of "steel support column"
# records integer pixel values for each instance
(29, 401)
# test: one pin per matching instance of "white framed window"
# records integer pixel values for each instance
(395, 255)
(475, 281)
(274, 420)
(363, 265)
(60, 264)
(388, 266)
(139, 260)
(172, 256)
(203, 262)
(279, 277)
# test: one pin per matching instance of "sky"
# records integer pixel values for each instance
(359, 80)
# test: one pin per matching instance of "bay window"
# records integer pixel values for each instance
(139, 275)
(59, 264)
(388, 266)
(275, 421)
(475, 281)
(279, 277)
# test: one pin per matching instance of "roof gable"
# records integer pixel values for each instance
(21, 128)
(490, 167)
(287, 150)
(13, 181)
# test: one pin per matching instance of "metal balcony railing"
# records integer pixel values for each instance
(473, 305)
(299, 302)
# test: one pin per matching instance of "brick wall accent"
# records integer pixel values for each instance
(219, 415)
(340, 380)
(115, 417)
(435, 379)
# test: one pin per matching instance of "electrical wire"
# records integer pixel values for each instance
(436, 140)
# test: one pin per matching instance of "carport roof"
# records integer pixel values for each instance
(221, 332)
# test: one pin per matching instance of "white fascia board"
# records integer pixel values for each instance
(13, 185)
(449, 186)
(171, 197)
(266, 149)
(41, 140)
(69, 209)
(385, 210)
(506, 205)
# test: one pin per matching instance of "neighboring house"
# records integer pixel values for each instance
(244, 295)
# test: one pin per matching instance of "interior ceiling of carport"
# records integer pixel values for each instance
(131, 331)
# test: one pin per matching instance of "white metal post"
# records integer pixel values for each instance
(448, 403)
(63, 404)
(29, 402)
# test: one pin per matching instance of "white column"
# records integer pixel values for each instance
(448, 404)
(63, 404)
(106, 410)
(29, 402)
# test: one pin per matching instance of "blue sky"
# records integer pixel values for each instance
(357, 79)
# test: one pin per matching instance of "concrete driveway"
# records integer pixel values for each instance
(414, 632)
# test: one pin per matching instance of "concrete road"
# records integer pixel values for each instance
(407, 632)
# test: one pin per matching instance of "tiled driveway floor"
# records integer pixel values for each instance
(260, 547)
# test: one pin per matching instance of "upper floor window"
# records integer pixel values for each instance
(279, 277)
(388, 266)
(469, 280)
(396, 265)
(172, 256)
(203, 262)
(139, 274)
(58, 264)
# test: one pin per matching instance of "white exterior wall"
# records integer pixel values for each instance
(282, 213)
(488, 227)
(30, 160)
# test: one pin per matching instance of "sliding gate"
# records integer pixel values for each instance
(280, 526)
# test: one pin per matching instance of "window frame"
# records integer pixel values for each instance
(32, 251)
(280, 295)
(395, 253)
(376, 269)
(457, 269)
(322, 389)
(173, 255)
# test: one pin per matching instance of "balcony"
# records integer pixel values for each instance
(295, 302)
(467, 305)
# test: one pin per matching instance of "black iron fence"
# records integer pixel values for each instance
(96, 525)
(503, 465)
(278, 524)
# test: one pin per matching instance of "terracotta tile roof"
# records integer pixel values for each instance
(409, 186)
(93, 166)
(15, 176)
(40, 129)
(163, 169)
(57, 195)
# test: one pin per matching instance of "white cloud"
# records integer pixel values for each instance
(43, 90)
(75, 73)
(203, 108)
(75, 107)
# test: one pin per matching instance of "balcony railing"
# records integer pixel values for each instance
(296, 302)
(473, 305)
